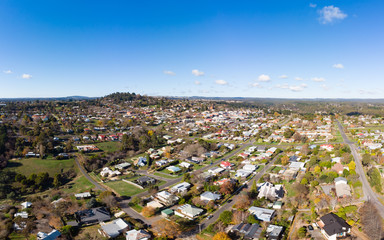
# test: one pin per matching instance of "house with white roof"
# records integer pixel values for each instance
(113, 228)
(181, 187)
(270, 191)
(343, 190)
(209, 196)
(262, 214)
(188, 211)
(243, 173)
(137, 235)
(166, 198)
(26, 205)
(216, 170)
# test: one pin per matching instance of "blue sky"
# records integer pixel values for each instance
(270, 48)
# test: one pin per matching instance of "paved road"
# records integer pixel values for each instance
(82, 170)
(369, 194)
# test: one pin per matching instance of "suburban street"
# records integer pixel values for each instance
(369, 194)
(228, 205)
(82, 170)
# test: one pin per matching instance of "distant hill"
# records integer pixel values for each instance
(76, 98)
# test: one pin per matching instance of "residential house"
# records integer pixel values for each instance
(107, 172)
(167, 212)
(270, 191)
(185, 165)
(54, 234)
(181, 187)
(262, 214)
(113, 228)
(21, 214)
(243, 173)
(249, 231)
(188, 211)
(92, 216)
(209, 196)
(154, 204)
(290, 174)
(166, 198)
(226, 165)
(142, 161)
(274, 232)
(161, 163)
(122, 166)
(338, 167)
(343, 190)
(83, 195)
(173, 169)
(216, 170)
(25, 205)
(145, 181)
(333, 226)
(137, 235)
(250, 167)
(327, 147)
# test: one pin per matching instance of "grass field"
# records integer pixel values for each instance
(124, 189)
(165, 175)
(27, 166)
(79, 184)
(109, 147)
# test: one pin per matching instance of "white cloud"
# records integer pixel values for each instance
(283, 76)
(325, 87)
(221, 82)
(7, 71)
(293, 88)
(318, 79)
(255, 84)
(169, 73)
(329, 14)
(26, 76)
(197, 73)
(338, 65)
(298, 79)
(197, 82)
(312, 5)
(264, 78)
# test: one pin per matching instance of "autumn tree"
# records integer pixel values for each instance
(226, 217)
(243, 202)
(221, 236)
(165, 228)
(285, 160)
(227, 188)
(148, 211)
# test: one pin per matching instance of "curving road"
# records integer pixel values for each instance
(369, 194)
(82, 170)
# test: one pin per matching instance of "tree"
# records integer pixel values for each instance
(302, 232)
(251, 219)
(148, 211)
(226, 217)
(92, 203)
(370, 217)
(227, 188)
(243, 202)
(285, 160)
(165, 228)
(366, 159)
(304, 181)
(352, 166)
(221, 236)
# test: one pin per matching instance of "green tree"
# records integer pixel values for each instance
(226, 217)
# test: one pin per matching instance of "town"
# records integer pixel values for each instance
(134, 167)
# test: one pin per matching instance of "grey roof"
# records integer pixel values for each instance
(93, 215)
(250, 231)
(334, 224)
(114, 228)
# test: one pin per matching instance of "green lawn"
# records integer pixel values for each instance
(165, 175)
(124, 189)
(28, 166)
(109, 147)
(78, 185)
